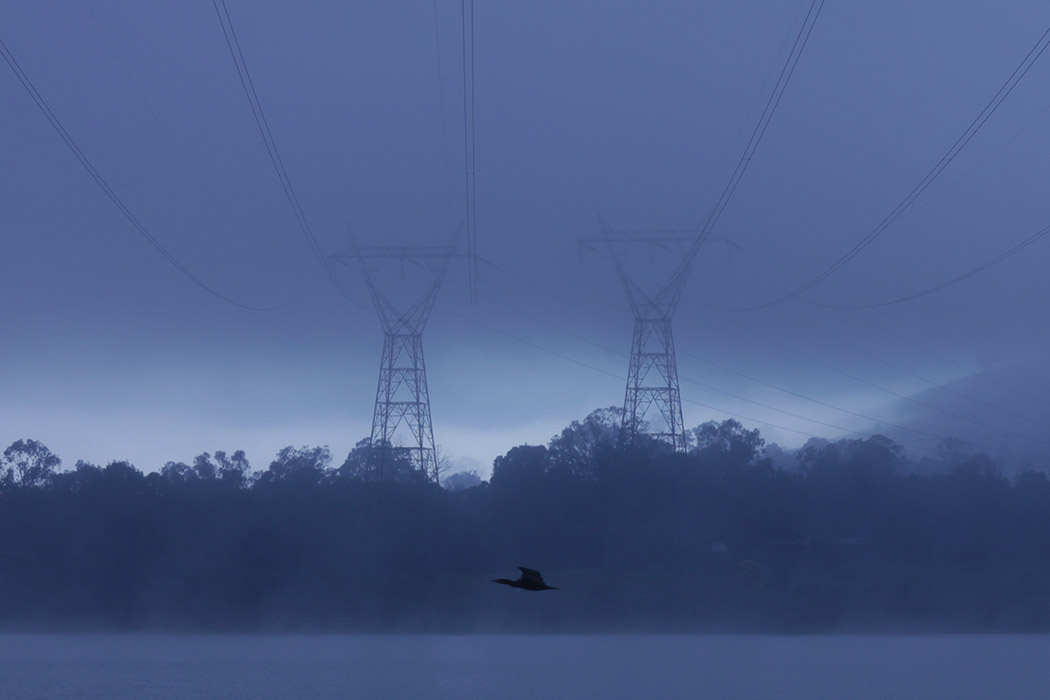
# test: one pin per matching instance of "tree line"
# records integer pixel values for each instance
(850, 535)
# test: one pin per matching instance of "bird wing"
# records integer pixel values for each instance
(531, 574)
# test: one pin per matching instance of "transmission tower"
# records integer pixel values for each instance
(652, 399)
(402, 399)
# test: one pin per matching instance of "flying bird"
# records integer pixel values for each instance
(530, 580)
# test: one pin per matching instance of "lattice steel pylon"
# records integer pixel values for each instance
(402, 397)
(652, 375)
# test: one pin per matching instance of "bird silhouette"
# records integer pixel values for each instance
(530, 580)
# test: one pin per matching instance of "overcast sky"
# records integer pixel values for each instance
(632, 113)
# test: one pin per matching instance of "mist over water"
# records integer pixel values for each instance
(192, 667)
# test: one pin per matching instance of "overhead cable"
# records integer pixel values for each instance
(505, 271)
(891, 392)
(742, 375)
(467, 14)
(967, 371)
(960, 143)
(105, 186)
(995, 260)
(676, 283)
(230, 34)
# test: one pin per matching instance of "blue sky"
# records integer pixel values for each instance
(636, 111)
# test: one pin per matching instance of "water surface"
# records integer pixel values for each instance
(155, 667)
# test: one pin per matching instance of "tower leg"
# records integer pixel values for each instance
(652, 379)
(402, 398)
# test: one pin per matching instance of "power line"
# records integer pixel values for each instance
(714, 308)
(928, 351)
(995, 260)
(937, 385)
(162, 133)
(891, 392)
(775, 387)
(441, 106)
(960, 143)
(594, 368)
(724, 158)
(703, 385)
(969, 372)
(777, 94)
(1039, 118)
(233, 44)
(734, 372)
(537, 346)
(759, 421)
(104, 185)
(468, 143)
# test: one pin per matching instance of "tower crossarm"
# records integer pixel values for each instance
(618, 244)
(433, 259)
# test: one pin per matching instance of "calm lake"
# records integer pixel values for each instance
(145, 667)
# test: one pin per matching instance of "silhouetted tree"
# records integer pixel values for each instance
(727, 444)
(204, 467)
(978, 469)
(580, 446)
(460, 481)
(877, 453)
(304, 466)
(28, 463)
(233, 470)
(177, 473)
(521, 467)
(355, 466)
(712, 538)
(363, 461)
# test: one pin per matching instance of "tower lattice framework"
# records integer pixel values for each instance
(652, 400)
(652, 380)
(402, 398)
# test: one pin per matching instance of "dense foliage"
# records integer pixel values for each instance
(852, 537)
